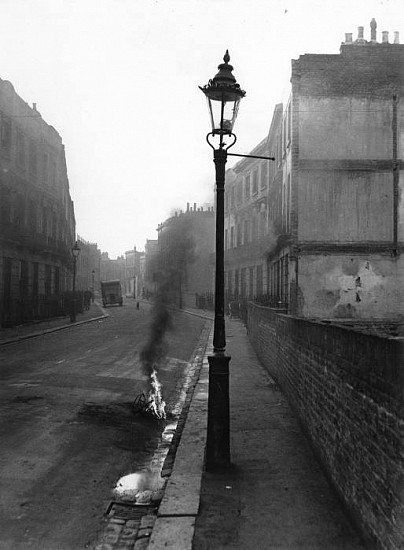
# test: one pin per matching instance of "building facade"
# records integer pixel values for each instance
(112, 269)
(88, 266)
(133, 283)
(37, 224)
(150, 268)
(249, 234)
(185, 247)
(335, 216)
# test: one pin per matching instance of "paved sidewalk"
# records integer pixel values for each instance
(274, 497)
(37, 328)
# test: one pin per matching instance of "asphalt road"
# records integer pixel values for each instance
(67, 430)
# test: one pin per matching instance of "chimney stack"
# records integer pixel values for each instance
(373, 26)
(385, 37)
(360, 39)
(348, 38)
(396, 37)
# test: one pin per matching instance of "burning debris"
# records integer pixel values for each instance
(153, 403)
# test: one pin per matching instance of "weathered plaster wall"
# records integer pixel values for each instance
(350, 286)
(347, 206)
(342, 128)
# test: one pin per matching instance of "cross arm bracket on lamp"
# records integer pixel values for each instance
(250, 156)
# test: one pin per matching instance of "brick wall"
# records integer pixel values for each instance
(347, 389)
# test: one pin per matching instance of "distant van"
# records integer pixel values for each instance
(111, 293)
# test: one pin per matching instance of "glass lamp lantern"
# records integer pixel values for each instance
(223, 95)
(76, 250)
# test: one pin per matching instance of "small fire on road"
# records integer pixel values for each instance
(153, 402)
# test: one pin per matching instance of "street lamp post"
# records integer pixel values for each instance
(75, 252)
(223, 95)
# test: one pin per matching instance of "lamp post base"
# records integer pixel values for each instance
(218, 436)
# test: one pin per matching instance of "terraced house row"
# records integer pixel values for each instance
(319, 231)
(37, 224)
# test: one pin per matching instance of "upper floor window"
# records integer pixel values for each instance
(20, 149)
(264, 174)
(239, 194)
(5, 135)
(232, 197)
(246, 231)
(53, 174)
(45, 168)
(255, 182)
(33, 164)
(247, 187)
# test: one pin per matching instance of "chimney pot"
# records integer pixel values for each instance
(396, 37)
(385, 37)
(360, 33)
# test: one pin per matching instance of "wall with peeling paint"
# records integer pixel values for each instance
(355, 128)
(350, 287)
(348, 206)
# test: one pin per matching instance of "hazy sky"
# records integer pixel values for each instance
(118, 79)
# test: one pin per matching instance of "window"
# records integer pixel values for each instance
(45, 169)
(19, 211)
(5, 134)
(57, 280)
(247, 187)
(243, 282)
(255, 182)
(20, 149)
(278, 273)
(232, 197)
(229, 285)
(239, 234)
(232, 237)
(246, 232)
(286, 205)
(264, 174)
(54, 226)
(226, 237)
(53, 174)
(48, 280)
(254, 228)
(236, 282)
(239, 193)
(259, 284)
(35, 280)
(32, 216)
(23, 278)
(33, 165)
(5, 206)
(251, 282)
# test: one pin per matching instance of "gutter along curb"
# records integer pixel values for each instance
(178, 510)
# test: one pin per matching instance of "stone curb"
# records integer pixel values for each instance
(175, 524)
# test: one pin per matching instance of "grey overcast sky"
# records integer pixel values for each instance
(118, 79)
